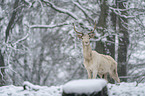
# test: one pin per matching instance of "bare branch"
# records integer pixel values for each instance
(50, 26)
(128, 9)
(83, 10)
(25, 37)
(11, 20)
(61, 10)
(118, 12)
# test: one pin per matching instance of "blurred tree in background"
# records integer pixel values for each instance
(38, 43)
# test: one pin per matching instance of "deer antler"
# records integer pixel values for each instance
(76, 30)
(93, 29)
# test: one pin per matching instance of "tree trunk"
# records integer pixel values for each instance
(12, 20)
(105, 47)
(109, 48)
(2, 69)
(100, 46)
(123, 39)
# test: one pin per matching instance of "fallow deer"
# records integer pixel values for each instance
(94, 62)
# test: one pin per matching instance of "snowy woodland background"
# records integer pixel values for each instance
(38, 43)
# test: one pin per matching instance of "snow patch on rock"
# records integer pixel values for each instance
(84, 86)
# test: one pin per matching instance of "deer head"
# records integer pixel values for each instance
(86, 37)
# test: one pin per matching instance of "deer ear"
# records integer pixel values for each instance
(80, 36)
(91, 35)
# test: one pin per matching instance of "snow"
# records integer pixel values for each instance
(30, 86)
(127, 89)
(84, 86)
(122, 89)
(12, 90)
(61, 10)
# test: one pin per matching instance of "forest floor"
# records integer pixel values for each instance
(122, 89)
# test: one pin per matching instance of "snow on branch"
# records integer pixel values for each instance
(128, 9)
(61, 10)
(118, 12)
(102, 38)
(4, 67)
(82, 9)
(25, 37)
(1, 73)
(50, 26)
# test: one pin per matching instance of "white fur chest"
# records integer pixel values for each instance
(89, 65)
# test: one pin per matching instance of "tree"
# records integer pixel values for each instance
(120, 52)
(123, 41)
(102, 23)
(119, 25)
(2, 70)
(41, 45)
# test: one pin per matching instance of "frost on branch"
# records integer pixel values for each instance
(61, 10)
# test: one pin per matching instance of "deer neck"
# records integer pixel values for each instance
(87, 52)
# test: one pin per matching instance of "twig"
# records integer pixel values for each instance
(139, 81)
(61, 10)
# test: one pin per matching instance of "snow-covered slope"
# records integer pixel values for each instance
(123, 89)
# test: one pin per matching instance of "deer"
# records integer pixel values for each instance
(94, 62)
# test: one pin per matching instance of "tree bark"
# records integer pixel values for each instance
(2, 69)
(11, 22)
(104, 47)
(109, 48)
(100, 46)
(123, 39)
(124, 42)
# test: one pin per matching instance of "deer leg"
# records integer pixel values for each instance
(105, 76)
(115, 78)
(114, 75)
(89, 74)
(94, 74)
(100, 76)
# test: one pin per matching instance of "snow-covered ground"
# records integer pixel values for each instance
(122, 89)
(127, 89)
(12, 90)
